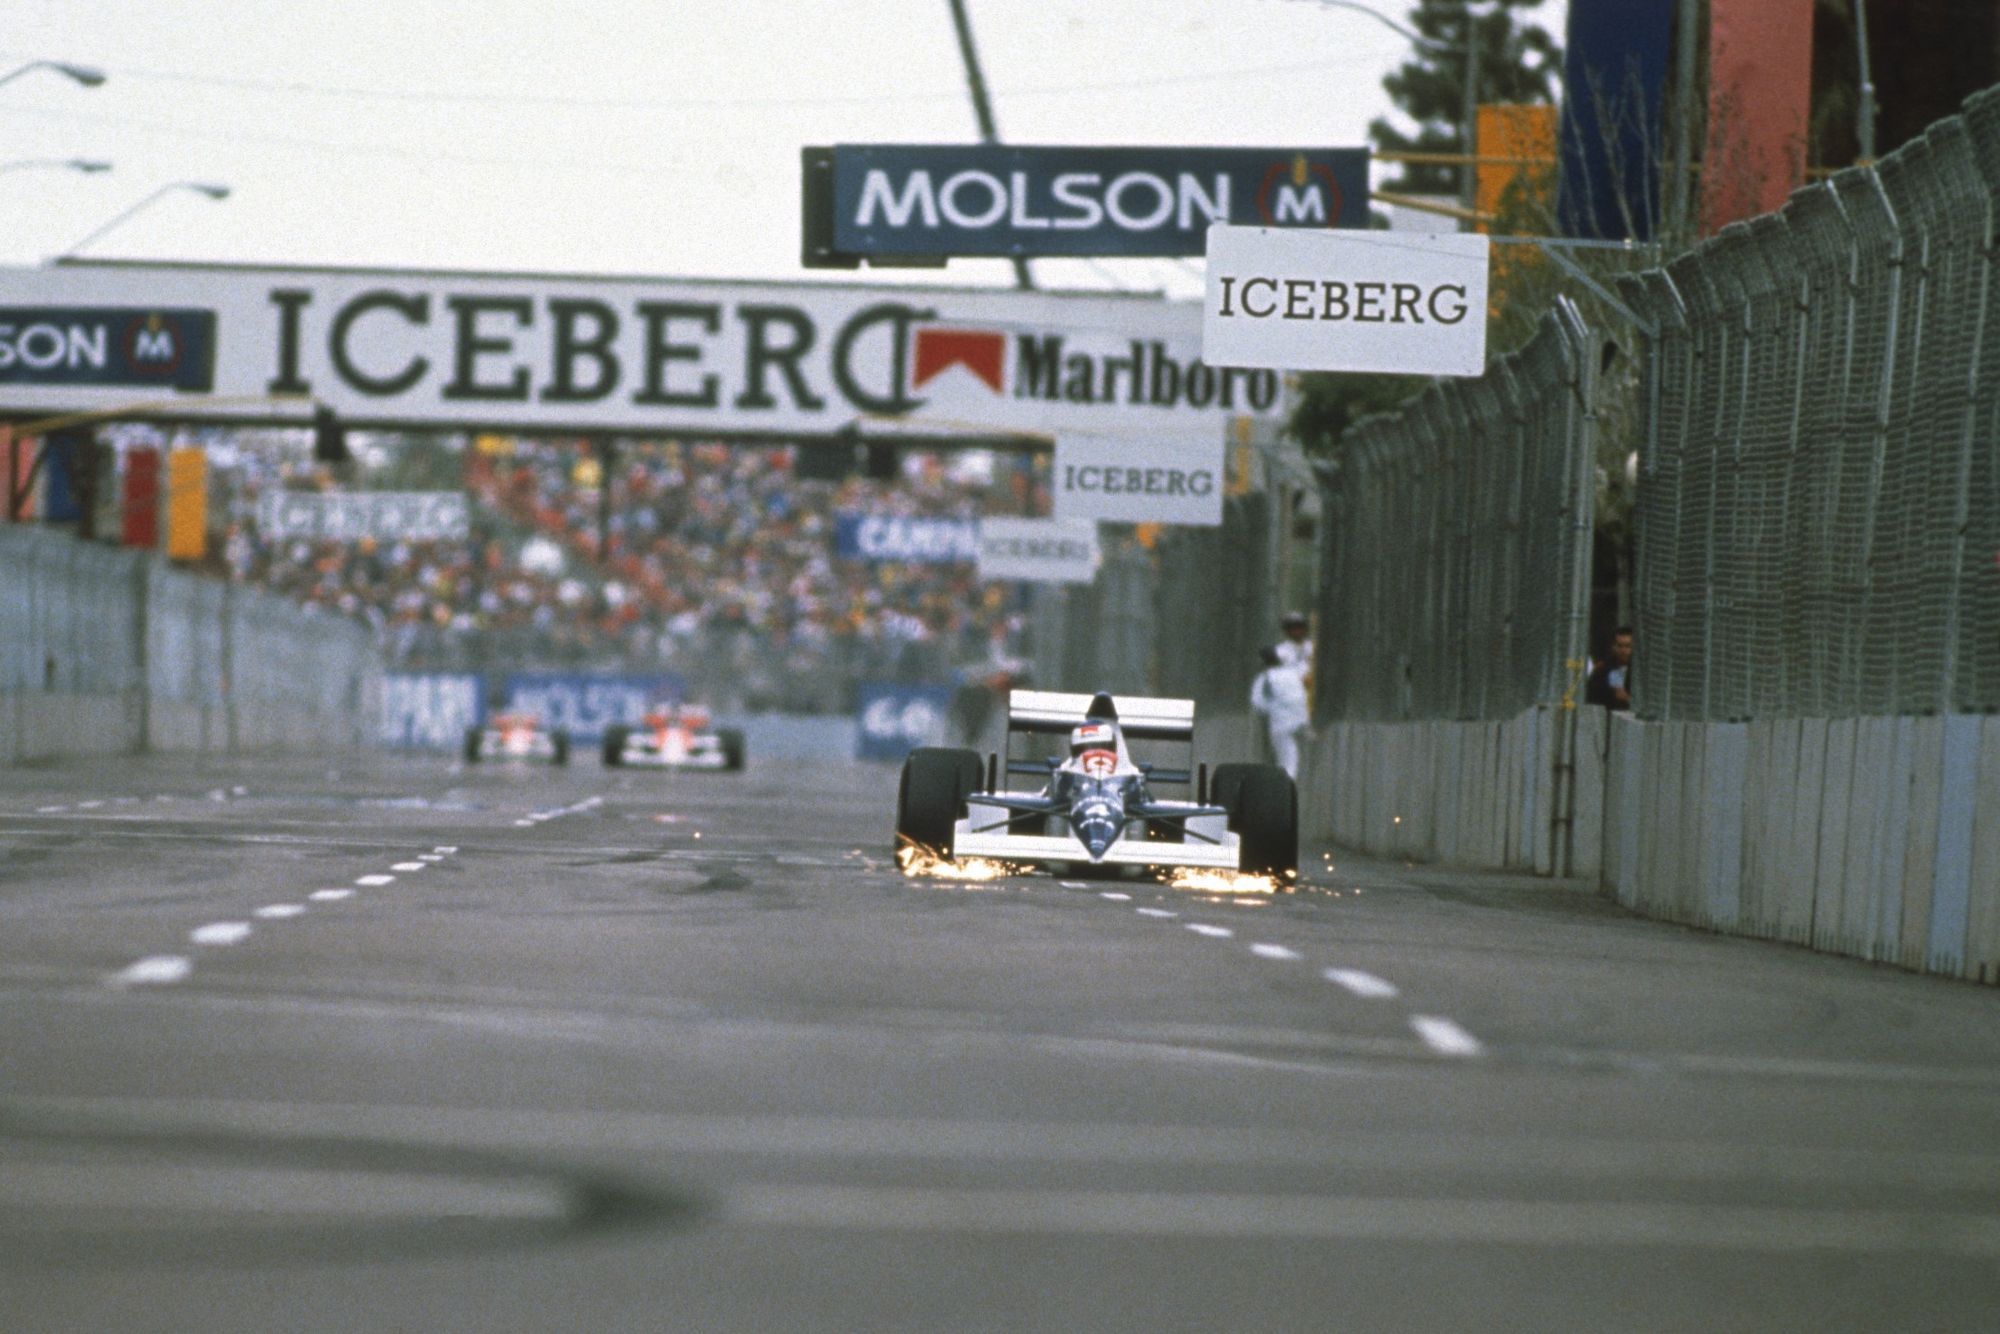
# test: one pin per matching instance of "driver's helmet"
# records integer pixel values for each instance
(1094, 748)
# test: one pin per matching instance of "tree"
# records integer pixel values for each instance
(1517, 63)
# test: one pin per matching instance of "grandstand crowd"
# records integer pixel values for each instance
(721, 567)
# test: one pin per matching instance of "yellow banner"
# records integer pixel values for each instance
(187, 504)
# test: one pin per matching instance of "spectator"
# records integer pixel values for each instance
(1295, 650)
(1278, 696)
(1610, 681)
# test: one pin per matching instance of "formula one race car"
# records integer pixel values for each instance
(674, 737)
(516, 736)
(1096, 806)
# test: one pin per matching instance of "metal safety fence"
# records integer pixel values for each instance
(1456, 575)
(1819, 499)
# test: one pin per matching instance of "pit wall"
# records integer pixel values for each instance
(1877, 838)
(108, 652)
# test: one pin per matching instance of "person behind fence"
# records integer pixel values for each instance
(1295, 650)
(1278, 696)
(1610, 681)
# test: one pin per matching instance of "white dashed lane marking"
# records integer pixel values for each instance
(1155, 912)
(88, 805)
(330, 895)
(279, 910)
(407, 866)
(1279, 952)
(1365, 985)
(430, 856)
(152, 971)
(1205, 929)
(372, 880)
(1113, 895)
(50, 810)
(444, 851)
(219, 933)
(1444, 1037)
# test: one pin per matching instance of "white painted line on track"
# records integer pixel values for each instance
(50, 810)
(330, 895)
(1279, 952)
(1113, 895)
(279, 911)
(219, 933)
(1155, 912)
(1205, 929)
(1073, 884)
(1365, 985)
(152, 971)
(444, 851)
(523, 824)
(372, 880)
(407, 866)
(88, 805)
(430, 856)
(1444, 1037)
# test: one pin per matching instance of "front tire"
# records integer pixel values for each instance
(614, 744)
(731, 741)
(471, 749)
(936, 781)
(560, 742)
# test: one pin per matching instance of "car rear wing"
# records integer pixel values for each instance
(1139, 716)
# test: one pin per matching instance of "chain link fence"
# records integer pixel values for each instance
(1819, 512)
(1458, 539)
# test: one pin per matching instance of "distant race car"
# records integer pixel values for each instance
(516, 736)
(1096, 806)
(676, 737)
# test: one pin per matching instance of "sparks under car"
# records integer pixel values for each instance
(674, 737)
(1096, 807)
(516, 736)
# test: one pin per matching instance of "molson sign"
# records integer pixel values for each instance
(669, 356)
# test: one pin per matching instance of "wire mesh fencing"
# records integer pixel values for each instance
(1819, 499)
(1455, 580)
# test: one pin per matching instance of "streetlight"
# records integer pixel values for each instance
(1865, 114)
(1468, 194)
(85, 165)
(87, 75)
(217, 192)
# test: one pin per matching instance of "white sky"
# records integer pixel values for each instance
(655, 137)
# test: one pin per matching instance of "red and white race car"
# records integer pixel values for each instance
(674, 737)
(516, 736)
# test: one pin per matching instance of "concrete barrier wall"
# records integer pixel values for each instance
(1877, 838)
(1486, 794)
(113, 652)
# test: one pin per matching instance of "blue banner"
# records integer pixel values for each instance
(1612, 158)
(958, 199)
(897, 719)
(584, 705)
(904, 537)
(429, 710)
(148, 348)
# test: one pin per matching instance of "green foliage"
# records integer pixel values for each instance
(1516, 64)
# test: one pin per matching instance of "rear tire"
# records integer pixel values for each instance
(614, 744)
(732, 748)
(560, 742)
(1265, 816)
(936, 781)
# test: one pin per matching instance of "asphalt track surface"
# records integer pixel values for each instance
(364, 1043)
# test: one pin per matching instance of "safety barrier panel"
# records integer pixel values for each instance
(114, 652)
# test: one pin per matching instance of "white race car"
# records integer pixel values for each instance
(674, 737)
(516, 736)
(1095, 806)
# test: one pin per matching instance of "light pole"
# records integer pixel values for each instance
(1468, 192)
(85, 165)
(86, 75)
(217, 192)
(1864, 130)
